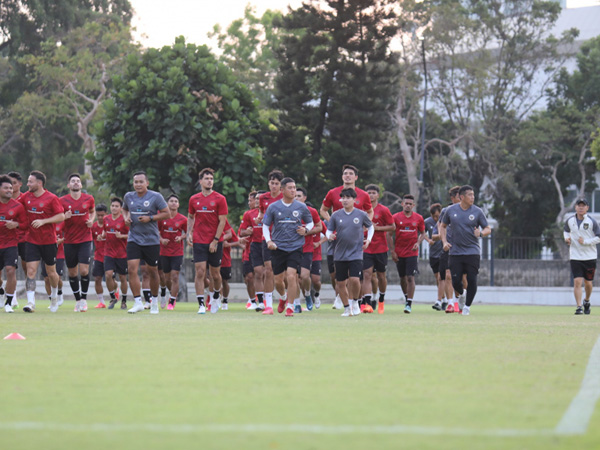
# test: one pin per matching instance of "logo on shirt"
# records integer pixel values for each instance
(12, 213)
(42, 204)
(85, 206)
(295, 214)
(212, 203)
(471, 217)
(586, 226)
(146, 203)
(356, 220)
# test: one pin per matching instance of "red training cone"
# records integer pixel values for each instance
(14, 336)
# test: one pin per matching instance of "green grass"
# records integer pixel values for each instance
(502, 368)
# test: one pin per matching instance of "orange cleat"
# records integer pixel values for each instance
(289, 311)
(380, 308)
(362, 308)
(100, 306)
(368, 309)
(450, 309)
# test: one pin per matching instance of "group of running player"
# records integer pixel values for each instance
(281, 234)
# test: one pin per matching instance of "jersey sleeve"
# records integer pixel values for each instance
(223, 210)
(125, 202)
(191, 210)
(57, 207)
(366, 221)
(160, 202)
(446, 218)
(21, 217)
(328, 201)
(482, 219)
(306, 215)
(267, 218)
(315, 216)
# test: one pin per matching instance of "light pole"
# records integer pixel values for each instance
(421, 188)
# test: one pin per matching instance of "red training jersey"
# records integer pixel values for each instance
(246, 253)
(226, 260)
(60, 234)
(11, 211)
(43, 207)
(317, 252)
(381, 217)
(332, 199)
(76, 228)
(266, 199)
(99, 241)
(115, 247)
(249, 221)
(308, 240)
(206, 210)
(170, 229)
(21, 232)
(407, 233)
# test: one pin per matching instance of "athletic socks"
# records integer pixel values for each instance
(409, 301)
(269, 299)
(112, 295)
(53, 292)
(146, 293)
(163, 291)
(317, 293)
(260, 296)
(31, 297)
(85, 284)
(172, 300)
(224, 300)
(8, 299)
(200, 299)
(100, 298)
(367, 300)
(1, 290)
(216, 294)
(74, 283)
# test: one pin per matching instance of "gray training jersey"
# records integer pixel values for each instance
(349, 234)
(449, 228)
(150, 204)
(436, 249)
(463, 225)
(285, 220)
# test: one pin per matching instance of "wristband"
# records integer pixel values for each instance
(216, 239)
(151, 218)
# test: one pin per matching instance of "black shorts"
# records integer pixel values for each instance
(202, 253)
(118, 265)
(148, 253)
(376, 260)
(78, 254)
(464, 264)
(60, 268)
(434, 263)
(346, 269)
(408, 266)
(22, 250)
(306, 262)
(315, 268)
(169, 263)
(225, 272)
(46, 253)
(256, 254)
(583, 269)
(266, 253)
(9, 257)
(247, 266)
(98, 269)
(283, 260)
(330, 264)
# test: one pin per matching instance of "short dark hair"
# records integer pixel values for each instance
(454, 191)
(101, 207)
(173, 195)
(16, 175)
(409, 197)
(303, 190)
(348, 192)
(287, 180)
(351, 167)
(73, 175)
(309, 204)
(119, 200)
(275, 174)
(259, 193)
(464, 189)
(253, 194)
(140, 172)
(39, 175)
(206, 170)
(5, 179)
(436, 207)
(372, 187)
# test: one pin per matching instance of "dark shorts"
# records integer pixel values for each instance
(98, 269)
(148, 253)
(315, 268)
(225, 273)
(60, 268)
(46, 253)
(256, 254)
(434, 263)
(169, 263)
(444, 265)
(306, 262)
(408, 267)
(78, 254)
(464, 264)
(376, 260)
(330, 264)
(9, 257)
(247, 266)
(583, 269)
(202, 254)
(283, 260)
(22, 250)
(118, 265)
(266, 253)
(346, 269)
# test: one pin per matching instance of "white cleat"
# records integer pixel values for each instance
(461, 300)
(147, 305)
(8, 309)
(61, 300)
(259, 307)
(137, 307)
(15, 303)
(318, 302)
(53, 305)
(29, 307)
(224, 306)
(337, 304)
(355, 307)
(347, 312)
(77, 306)
(202, 309)
(214, 305)
(466, 310)
(83, 307)
(154, 307)
(163, 302)
(251, 305)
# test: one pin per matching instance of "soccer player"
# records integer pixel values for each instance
(444, 256)
(291, 220)
(99, 244)
(582, 234)
(375, 256)
(43, 210)
(12, 219)
(435, 250)
(251, 227)
(230, 239)
(410, 232)
(468, 225)
(207, 214)
(307, 252)
(347, 224)
(17, 182)
(245, 231)
(172, 236)
(80, 214)
(143, 208)
(316, 267)
(115, 252)
(60, 267)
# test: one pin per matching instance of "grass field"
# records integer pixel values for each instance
(500, 378)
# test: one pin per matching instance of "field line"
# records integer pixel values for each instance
(578, 415)
(272, 428)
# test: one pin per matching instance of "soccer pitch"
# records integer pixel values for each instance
(503, 377)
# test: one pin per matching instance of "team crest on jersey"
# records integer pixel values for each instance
(85, 206)
(355, 220)
(11, 213)
(295, 214)
(212, 203)
(377, 216)
(146, 203)
(471, 217)
(42, 204)
(586, 226)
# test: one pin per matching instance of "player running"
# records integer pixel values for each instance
(99, 252)
(435, 250)
(115, 257)
(251, 227)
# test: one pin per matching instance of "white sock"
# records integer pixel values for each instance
(269, 299)
(137, 299)
(153, 299)
(31, 297)
(101, 298)
(297, 302)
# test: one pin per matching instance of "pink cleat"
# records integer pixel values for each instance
(268, 311)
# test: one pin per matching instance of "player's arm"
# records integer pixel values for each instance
(215, 242)
(21, 222)
(190, 226)
(370, 233)
(92, 218)
(161, 215)
(318, 227)
(486, 232)
(126, 216)
(370, 213)
(391, 236)
(57, 218)
(324, 212)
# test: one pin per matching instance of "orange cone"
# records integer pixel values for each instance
(14, 336)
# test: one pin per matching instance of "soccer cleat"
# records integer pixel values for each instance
(578, 311)
(362, 308)
(8, 309)
(466, 311)
(461, 300)
(587, 307)
(347, 312)
(407, 309)
(147, 305)
(449, 309)
(253, 306)
(318, 302)
(380, 307)
(309, 302)
(53, 304)
(249, 305)
(117, 294)
(268, 311)
(214, 306)
(224, 306)
(29, 308)
(100, 306)
(163, 302)
(456, 307)
(61, 300)
(355, 307)
(437, 306)
(77, 306)
(368, 309)
(202, 309)
(297, 309)
(137, 307)
(444, 306)
(281, 306)
(83, 307)
(170, 307)
(289, 311)
(112, 304)
(154, 306)
(15, 303)
(123, 304)
(337, 304)
(259, 307)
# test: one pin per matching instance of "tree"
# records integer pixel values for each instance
(173, 112)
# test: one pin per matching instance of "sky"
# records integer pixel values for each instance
(159, 22)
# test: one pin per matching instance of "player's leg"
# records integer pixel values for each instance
(214, 263)
(72, 269)
(33, 258)
(200, 263)
(134, 257)
(315, 278)
(367, 283)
